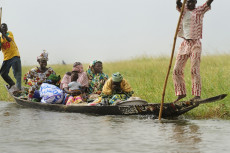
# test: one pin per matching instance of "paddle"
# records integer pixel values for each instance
(170, 63)
(0, 15)
(0, 21)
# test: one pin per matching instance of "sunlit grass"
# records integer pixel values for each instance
(147, 75)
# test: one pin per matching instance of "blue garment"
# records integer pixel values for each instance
(37, 95)
(118, 97)
(51, 94)
(15, 63)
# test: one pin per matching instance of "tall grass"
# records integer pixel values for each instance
(147, 75)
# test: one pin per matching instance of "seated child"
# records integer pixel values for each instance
(75, 93)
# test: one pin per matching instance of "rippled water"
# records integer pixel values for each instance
(25, 130)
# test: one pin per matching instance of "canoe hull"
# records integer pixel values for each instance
(170, 110)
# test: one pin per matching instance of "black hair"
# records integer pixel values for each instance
(4, 24)
(68, 73)
(76, 75)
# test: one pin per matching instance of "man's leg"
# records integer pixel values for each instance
(178, 76)
(17, 71)
(178, 72)
(6, 65)
(195, 69)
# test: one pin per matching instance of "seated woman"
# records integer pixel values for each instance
(116, 89)
(82, 77)
(96, 79)
(36, 76)
(50, 91)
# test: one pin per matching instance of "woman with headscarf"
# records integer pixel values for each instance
(82, 76)
(116, 89)
(36, 76)
(96, 78)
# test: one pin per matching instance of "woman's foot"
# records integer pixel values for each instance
(179, 98)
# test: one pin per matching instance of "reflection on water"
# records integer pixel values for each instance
(182, 134)
(187, 132)
(31, 130)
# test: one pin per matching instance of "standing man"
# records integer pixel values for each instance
(191, 31)
(11, 58)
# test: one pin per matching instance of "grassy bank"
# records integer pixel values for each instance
(147, 76)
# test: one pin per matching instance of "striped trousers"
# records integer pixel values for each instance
(188, 49)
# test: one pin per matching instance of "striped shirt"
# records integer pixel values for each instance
(192, 22)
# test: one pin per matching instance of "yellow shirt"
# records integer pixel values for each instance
(9, 49)
(107, 88)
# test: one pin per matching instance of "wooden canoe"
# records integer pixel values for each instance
(134, 107)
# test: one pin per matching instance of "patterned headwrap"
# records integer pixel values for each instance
(117, 77)
(54, 79)
(93, 63)
(77, 66)
(43, 56)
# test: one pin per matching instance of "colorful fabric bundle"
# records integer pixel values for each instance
(51, 94)
(53, 79)
(74, 100)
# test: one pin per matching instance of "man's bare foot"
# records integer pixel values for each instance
(195, 98)
(179, 98)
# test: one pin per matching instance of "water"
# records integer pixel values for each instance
(25, 130)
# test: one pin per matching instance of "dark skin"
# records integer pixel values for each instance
(43, 65)
(3, 30)
(191, 5)
(98, 68)
(116, 86)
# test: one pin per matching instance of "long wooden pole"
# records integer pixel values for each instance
(0, 16)
(170, 63)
